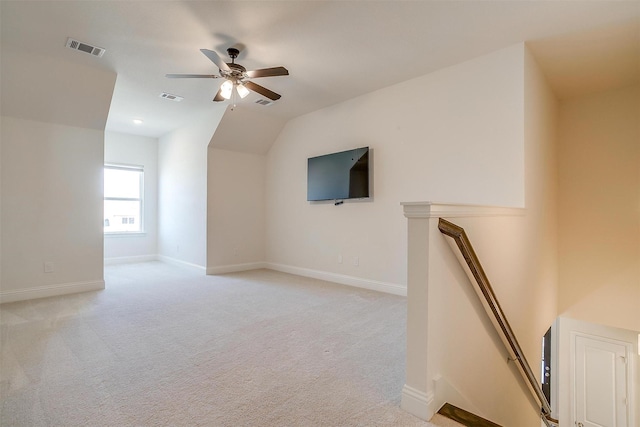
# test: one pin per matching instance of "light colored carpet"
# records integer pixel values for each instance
(164, 345)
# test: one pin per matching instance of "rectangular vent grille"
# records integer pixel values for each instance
(264, 102)
(84, 47)
(170, 97)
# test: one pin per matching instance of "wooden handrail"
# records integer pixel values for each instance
(466, 249)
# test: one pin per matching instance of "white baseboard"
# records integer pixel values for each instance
(130, 259)
(234, 268)
(389, 288)
(180, 263)
(50, 291)
(417, 403)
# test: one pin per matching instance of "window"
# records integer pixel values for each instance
(123, 190)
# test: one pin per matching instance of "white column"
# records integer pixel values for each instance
(417, 395)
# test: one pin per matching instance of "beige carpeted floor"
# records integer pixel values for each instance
(166, 346)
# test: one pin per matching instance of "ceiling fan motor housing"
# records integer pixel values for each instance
(237, 72)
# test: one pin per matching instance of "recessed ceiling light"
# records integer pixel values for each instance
(137, 121)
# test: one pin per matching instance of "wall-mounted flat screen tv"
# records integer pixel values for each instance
(339, 176)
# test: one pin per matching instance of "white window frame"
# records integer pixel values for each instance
(137, 168)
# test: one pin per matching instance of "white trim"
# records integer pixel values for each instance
(389, 288)
(125, 167)
(456, 210)
(119, 234)
(554, 365)
(568, 327)
(630, 371)
(417, 403)
(233, 268)
(130, 259)
(180, 263)
(50, 291)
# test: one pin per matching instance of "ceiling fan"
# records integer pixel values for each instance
(236, 76)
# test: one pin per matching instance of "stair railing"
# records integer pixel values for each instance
(493, 309)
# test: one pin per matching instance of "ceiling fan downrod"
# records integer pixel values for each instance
(233, 53)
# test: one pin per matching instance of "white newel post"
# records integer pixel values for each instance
(417, 396)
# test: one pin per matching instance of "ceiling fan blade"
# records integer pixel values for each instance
(215, 59)
(262, 90)
(218, 97)
(192, 76)
(268, 72)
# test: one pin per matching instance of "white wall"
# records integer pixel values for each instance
(246, 130)
(51, 208)
(236, 189)
(127, 149)
(1, 207)
(458, 357)
(53, 152)
(599, 155)
(533, 299)
(182, 190)
(236, 227)
(75, 94)
(453, 135)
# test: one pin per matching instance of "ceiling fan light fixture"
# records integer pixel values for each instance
(235, 75)
(242, 91)
(226, 89)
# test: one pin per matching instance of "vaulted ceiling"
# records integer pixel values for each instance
(334, 50)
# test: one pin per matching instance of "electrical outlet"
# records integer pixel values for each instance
(356, 261)
(339, 258)
(49, 266)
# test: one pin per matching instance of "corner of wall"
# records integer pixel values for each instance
(182, 189)
(541, 192)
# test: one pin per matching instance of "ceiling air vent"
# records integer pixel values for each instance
(264, 102)
(170, 97)
(83, 47)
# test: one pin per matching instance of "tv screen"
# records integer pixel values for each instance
(339, 176)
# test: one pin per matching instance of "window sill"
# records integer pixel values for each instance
(118, 234)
